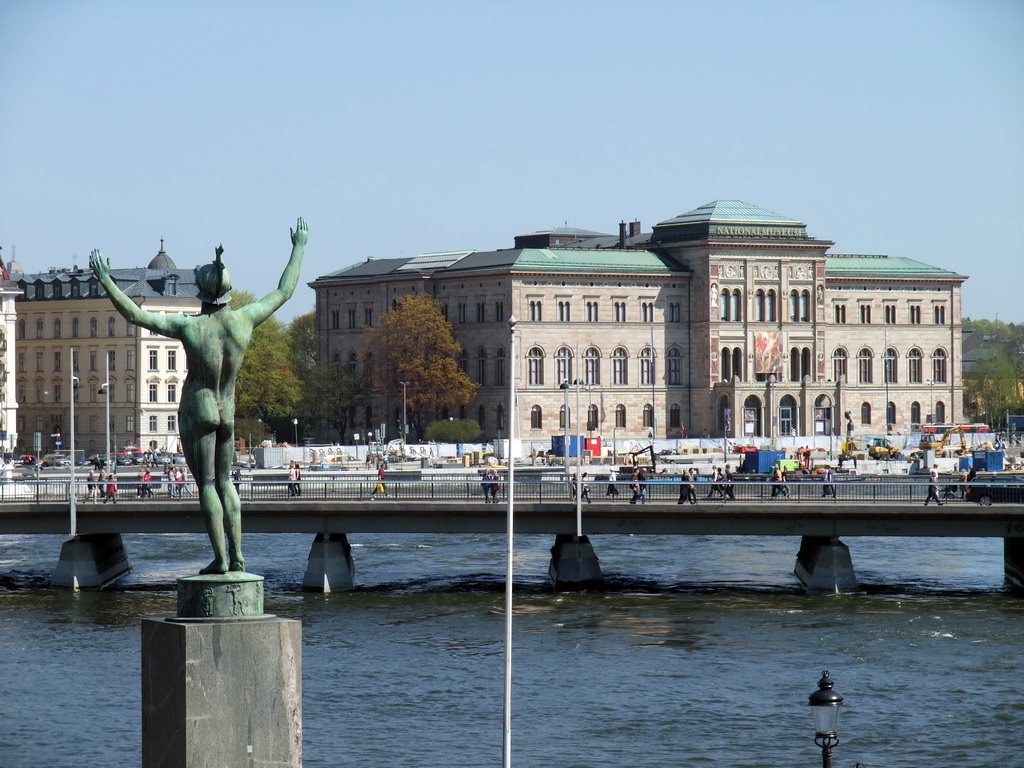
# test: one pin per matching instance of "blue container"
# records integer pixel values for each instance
(761, 462)
(558, 445)
(988, 461)
(966, 462)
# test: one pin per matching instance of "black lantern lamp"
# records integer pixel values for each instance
(826, 705)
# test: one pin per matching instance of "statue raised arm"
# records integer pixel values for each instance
(215, 342)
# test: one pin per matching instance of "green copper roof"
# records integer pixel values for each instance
(854, 265)
(555, 260)
(733, 211)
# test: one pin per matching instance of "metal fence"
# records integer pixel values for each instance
(658, 489)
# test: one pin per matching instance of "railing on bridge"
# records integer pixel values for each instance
(658, 490)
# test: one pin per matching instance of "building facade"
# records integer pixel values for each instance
(68, 327)
(728, 320)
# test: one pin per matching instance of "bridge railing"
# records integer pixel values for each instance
(657, 490)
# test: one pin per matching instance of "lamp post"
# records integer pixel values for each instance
(826, 705)
(105, 390)
(295, 429)
(72, 500)
(506, 746)
(564, 386)
(355, 436)
(405, 418)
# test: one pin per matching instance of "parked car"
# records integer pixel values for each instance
(989, 487)
(56, 460)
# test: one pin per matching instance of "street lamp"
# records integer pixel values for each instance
(826, 705)
(405, 419)
(295, 428)
(355, 436)
(105, 390)
(564, 386)
(72, 500)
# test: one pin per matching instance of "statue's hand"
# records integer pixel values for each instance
(300, 233)
(100, 267)
(220, 251)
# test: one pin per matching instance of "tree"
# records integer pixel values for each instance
(330, 392)
(305, 342)
(453, 430)
(415, 343)
(994, 380)
(267, 387)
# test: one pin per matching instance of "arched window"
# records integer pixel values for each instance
(805, 363)
(620, 416)
(674, 420)
(794, 305)
(726, 364)
(592, 366)
(770, 308)
(481, 369)
(591, 418)
(39, 329)
(620, 371)
(805, 306)
(646, 365)
(110, 326)
(74, 327)
(536, 418)
(839, 358)
(563, 365)
(890, 368)
(56, 328)
(939, 368)
(674, 366)
(865, 413)
(737, 305)
(890, 413)
(499, 367)
(794, 364)
(535, 367)
(725, 305)
(737, 363)
(501, 416)
(93, 327)
(915, 412)
(865, 366)
(787, 415)
(21, 331)
(940, 412)
(648, 416)
(759, 306)
(463, 360)
(915, 370)
(752, 417)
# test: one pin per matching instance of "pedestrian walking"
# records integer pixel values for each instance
(727, 477)
(641, 481)
(687, 491)
(494, 484)
(147, 484)
(829, 487)
(485, 485)
(586, 488)
(111, 494)
(90, 486)
(634, 486)
(298, 479)
(612, 490)
(179, 483)
(716, 487)
(779, 484)
(292, 477)
(933, 486)
(380, 483)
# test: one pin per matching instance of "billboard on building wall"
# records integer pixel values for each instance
(767, 352)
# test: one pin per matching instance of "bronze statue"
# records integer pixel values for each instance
(215, 341)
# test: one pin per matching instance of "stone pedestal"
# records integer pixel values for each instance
(824, 566)
(330, 567)
(91, 561)
(574, 565)
(221, 684)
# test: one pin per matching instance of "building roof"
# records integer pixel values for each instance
(135, 282)
(856, 265)
(731, 211)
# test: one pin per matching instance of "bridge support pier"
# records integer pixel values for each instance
(1013, 564)
(91, 561)
(330, 567)
(574, 565)
(824, 566)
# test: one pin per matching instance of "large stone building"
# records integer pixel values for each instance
(66, 322)
(728, 320)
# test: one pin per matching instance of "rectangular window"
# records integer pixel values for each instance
(56, 360)
(172, 423)
(154, 424)
(112, 359)
(462, 312)
(154, 393)
(172, 360)
(129, 360)
(92, 360)
(154, 359)
(39, 362)
(499, 371)
(674, 373)
(481, 312)
(499, 312)
(172, 393)
(368, 317)
(129, 423)
(74, 360)
(351, 318)
(21, 362)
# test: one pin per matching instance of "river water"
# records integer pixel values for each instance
(701, 652)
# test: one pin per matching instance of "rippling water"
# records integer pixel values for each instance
(701, 652)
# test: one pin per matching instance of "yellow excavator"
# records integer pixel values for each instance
(882, 448)
(939, 446)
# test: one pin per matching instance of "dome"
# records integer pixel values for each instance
(162, 260)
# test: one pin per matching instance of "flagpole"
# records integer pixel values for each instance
(506, 760)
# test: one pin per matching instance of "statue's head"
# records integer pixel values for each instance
(214, 283)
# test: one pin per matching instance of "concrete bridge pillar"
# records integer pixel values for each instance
(1013, 564)
(330, 567)
(574, 565)
(91, 561)
(824, 566)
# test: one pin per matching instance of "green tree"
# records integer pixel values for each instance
(415, 343)
(453, 431)
(267, 387)
(305, 344)
(330, 392)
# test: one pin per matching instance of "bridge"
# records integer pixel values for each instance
(94, 556)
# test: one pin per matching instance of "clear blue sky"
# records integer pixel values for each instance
(398, 128)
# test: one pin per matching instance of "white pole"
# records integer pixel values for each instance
(579, 460)
(106, 386)
(71, 485)
(506, 759)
